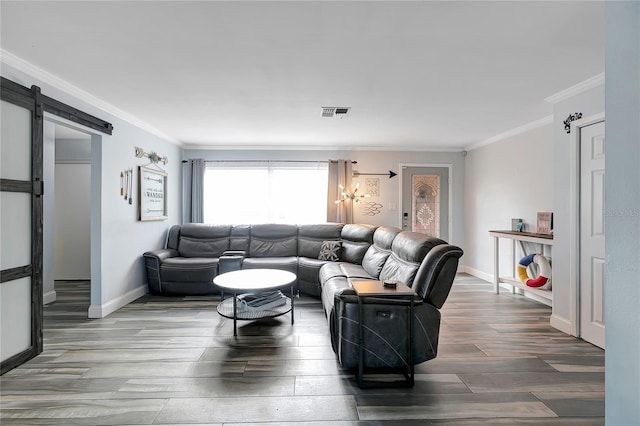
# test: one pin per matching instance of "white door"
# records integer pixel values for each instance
(425, 200)
(592, 255)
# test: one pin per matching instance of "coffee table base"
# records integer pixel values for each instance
(226, 309)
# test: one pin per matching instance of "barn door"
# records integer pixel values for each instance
(21, 192)
(20, 225)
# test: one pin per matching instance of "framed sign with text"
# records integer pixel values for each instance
(152, 193)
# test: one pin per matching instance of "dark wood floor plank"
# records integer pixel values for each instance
(174, 360)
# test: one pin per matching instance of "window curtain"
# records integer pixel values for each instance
(193, 191)
(339, 174)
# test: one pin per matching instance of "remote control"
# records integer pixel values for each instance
(389, 284)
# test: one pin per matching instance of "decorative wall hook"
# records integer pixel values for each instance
(570, 118)
(152, 156)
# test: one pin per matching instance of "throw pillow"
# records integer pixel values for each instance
(330, 250)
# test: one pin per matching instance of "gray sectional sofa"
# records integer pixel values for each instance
(428, 265)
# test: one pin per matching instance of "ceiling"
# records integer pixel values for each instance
(417, 75)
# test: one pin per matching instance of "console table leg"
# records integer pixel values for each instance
(411, 377)
(360, 344)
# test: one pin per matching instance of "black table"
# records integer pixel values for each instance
(375, 289)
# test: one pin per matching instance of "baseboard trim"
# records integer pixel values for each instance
(49, 297)
(478, 273)
(101, 311)
(562, 324)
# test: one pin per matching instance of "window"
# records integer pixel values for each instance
(265, 192)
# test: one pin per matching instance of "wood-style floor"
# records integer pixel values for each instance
(163, 360)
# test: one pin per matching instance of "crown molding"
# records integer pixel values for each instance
(28, 68)
(211, 147)
(513, 132)
(589, 83)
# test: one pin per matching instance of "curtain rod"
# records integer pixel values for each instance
(268, 161)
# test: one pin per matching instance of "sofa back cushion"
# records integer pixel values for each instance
(273, 240)
(311, 237)
(240, 237)
(407, 252)
(173, 237)
(356, 239)
(377, 254)
(201, 240)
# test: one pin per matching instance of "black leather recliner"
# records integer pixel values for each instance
(427, 265)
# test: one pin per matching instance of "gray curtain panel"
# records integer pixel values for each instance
(339, 174)
(193, 191)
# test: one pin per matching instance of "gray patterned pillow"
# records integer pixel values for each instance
(330, 250)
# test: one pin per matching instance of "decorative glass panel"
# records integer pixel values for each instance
(15, 317)
(15, 229)
(15, 135)
(425, 200)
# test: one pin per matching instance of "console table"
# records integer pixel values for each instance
(545, 296)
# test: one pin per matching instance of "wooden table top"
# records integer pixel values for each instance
(375, 288)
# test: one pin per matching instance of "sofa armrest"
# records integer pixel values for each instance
(161, 254)
(436, 274)
(235, 253)
(230, 260)
(152, 261)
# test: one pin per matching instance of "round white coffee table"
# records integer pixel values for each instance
(252, 281)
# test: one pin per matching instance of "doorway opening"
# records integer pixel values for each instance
(67, 221)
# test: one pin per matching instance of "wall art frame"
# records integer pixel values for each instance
(152, 193)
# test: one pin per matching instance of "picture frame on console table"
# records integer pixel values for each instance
(152, 193)
(544, 223)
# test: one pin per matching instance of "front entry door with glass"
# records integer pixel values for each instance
(425, 200)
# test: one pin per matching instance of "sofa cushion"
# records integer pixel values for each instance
(180, 269)
(377, 254)
(201, 240)
(173, 237)
(330, 270)
(330, 250)
(344, 270)
(310, 237)
(273, 240)
(356, 239)
(284, 263)
(309, 269)
(240, 237)
(355, 272)
(408, 250)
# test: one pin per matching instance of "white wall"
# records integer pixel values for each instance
(119, 238)
(588, 103)
(512, 178)
(622, 220)
(368, 162)
(72, 221)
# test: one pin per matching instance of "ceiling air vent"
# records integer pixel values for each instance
(335, 112)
